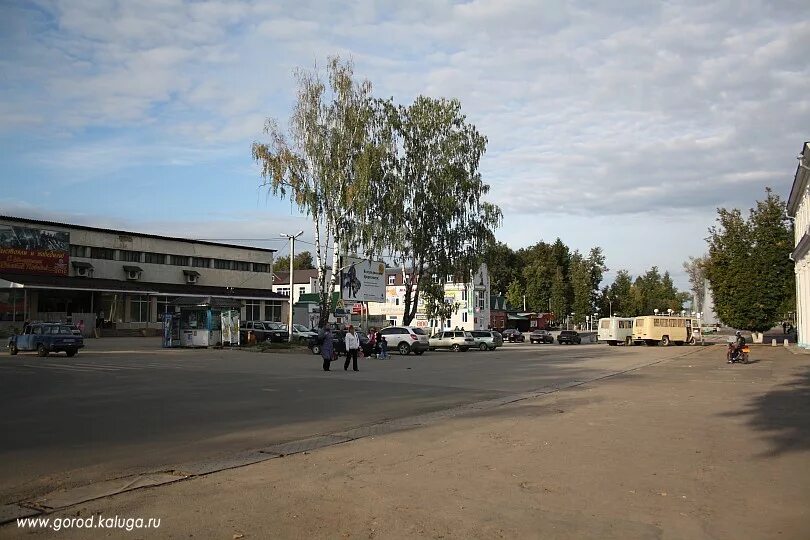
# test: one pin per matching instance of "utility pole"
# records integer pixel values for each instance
(292, 238)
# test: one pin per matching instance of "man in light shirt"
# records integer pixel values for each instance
(352, 346)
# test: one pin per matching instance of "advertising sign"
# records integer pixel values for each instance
(362, 280)
(34, 251)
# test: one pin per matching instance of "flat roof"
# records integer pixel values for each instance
(130, 233)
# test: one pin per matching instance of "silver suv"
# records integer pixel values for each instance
(406, 339)
(455, 340)
(487, 340)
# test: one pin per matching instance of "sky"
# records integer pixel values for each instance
(622, 124)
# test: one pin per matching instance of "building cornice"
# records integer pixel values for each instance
(800, 181)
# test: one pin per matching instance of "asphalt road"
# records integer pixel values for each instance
(110, 413)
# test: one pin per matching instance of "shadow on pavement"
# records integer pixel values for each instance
(784, 415)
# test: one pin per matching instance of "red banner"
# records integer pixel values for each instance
(21, 261)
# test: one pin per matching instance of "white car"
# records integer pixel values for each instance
(300, 332)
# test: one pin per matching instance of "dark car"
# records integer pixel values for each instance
(339, 343)
(541, 336)
(265, 331)
(46, 338)
(569, 337)
(513, 335)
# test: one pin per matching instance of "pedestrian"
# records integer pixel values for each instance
(327, 346)
(372, 340)
(80, 326)
(784, 328)
(352, 341)
(383, 346)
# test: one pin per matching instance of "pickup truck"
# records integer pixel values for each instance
(46, 338)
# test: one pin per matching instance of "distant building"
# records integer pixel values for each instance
(798, 207)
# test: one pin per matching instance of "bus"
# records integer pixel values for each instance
(663, 330)
(615, 330)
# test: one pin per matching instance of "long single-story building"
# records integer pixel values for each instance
(123, 280)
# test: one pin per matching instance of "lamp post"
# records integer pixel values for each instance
(610, 306)
(292, 238)
(670, 312)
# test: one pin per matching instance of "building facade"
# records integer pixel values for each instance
(472, 299)
(125, 280)
(798, 207)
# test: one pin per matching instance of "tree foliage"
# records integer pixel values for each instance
(432, 196)
(695, 269)
(748, 267)
(301, 261)
(328, 162)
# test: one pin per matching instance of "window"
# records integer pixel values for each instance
(464, 294)
(240, 265)
(178, 260)
(164, 305)
(102, 253)
(222, 264)
(200, 262)
(392, 279)
(449, 278)
(448, 324)
(261, 267)
(154, 258)
(284, 291)
(464, 317)
(396, 301)
(139, 308)
(253, 310)
(272, 310)
(302, 290)
(481, 301)
(129, 256)
(78, 251)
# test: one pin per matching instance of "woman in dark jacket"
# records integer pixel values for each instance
(327, 347)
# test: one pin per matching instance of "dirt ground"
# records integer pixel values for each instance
(689, 448)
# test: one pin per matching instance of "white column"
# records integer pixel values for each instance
(804, 302)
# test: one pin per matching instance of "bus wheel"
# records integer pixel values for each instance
(692, 341)
(665, 341)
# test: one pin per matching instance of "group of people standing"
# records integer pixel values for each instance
(329, 353)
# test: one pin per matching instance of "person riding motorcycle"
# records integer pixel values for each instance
(735, 348)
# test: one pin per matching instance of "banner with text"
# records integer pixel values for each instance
(362, 280)
(34, 251)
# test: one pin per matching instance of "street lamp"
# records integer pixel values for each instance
(670, 312)
(655, 311)
(292, 238)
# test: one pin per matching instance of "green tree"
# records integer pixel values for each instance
(514, 294)
(748, 266)
(432, 195)
(301, 261)
(581, 287)
(328, 162)
(559, 302)
(502, 262)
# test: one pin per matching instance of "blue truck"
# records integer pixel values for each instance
(46, 338)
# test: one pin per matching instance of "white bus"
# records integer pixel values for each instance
(615, 330)
(660, 329)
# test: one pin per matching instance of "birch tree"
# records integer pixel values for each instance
(326, 162)
(438, 223)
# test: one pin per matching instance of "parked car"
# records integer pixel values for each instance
(46, 338)
(406, 339)
(264, 331)
(339, 343)
(487, 340)
(455, 340)
(300, 332)
(569, 336)
(541, 336)
(513, 335)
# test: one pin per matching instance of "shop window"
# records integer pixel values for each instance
(272, 311)
(200, 262)
(139, 308)
(102, 253)
(155, 258)
(261, 267)
(253, 310)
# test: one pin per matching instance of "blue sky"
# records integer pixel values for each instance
(621, 125)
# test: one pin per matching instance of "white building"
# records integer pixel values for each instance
(472, 299)
(798, 207)
(126, 280)
(306, 282)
